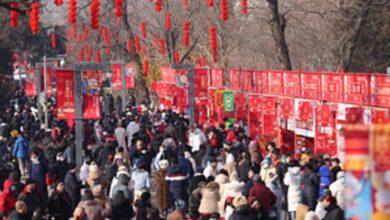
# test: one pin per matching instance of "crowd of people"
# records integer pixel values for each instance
(149, 164)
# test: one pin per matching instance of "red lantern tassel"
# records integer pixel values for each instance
(224, 10)
(162, 46)
(176, 57)
(244, 7)
(118, 8)
(72, 11)
(97, 57)
(106, 35)
(137, 44)
(185, 5)
(87, 53)
(14, 14)
(81, 55)
(158, 5)
(53, 40)
(129, 46)
(146, 67)
(59, 2)
(168, 21)
(186, 33)
(210, 3)
(143, 29)
(95, 14)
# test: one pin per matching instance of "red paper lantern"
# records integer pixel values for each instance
(95, 13)
(129, 45)
(185, 5)
(97, 57)
(213, 42)
(118, 8)
(34, 17)
(210, 3)
(14, 14)
(59, 2)
(143, 29)
(158, 5)
(186, 33)
(107, 40)
(72, 11)
(176, 56)
(137, 44)
(244, 5)
(224, 10)
(53, 40)
(162, 46)
(167, 21)
(146, 67)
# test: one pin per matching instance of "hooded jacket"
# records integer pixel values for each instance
(123, 181)
(210, 198)
(232, 189)
(293, 180)
(177, 178)
(310, 188)
(325, 181)
(7, 197)
(20, 148)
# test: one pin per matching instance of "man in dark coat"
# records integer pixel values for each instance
(177, 178)
(310, 183)
(262, 194)
(333, 211)
(32, 199)
(72, 185)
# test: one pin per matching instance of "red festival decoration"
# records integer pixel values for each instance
(137, 44)
(59, 2)
(65, 94)
(146, 67)
(186, 33)
(53, 40)
(118, 8)
(213, 42)
(34, 17)
(84, 36)
(244, 4)
(143, 29)
(224, 10)
(95, 13)
(72, 11)
(177, 57)
(14, 14)
(158, 5)
(97, 56)
(129, 45)
(210, 3)
(162, 46)
(107, 40)
(81, 55)
(185, 5)
(168, 21)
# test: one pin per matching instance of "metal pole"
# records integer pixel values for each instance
(38, 88)
(79, 115)
(45, 90)
(124, 88)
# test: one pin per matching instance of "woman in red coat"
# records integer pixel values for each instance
(7, 197)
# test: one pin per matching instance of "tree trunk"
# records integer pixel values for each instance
(278, 26)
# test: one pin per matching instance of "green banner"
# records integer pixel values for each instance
(228, 101)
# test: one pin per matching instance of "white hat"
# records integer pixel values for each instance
(163, 164)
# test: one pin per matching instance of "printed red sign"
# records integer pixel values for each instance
(216, 78)
(292, 83)
(241, 107)
(380, 116)
(333, 87)
(286, 108)
(311, 85)
(247, 80)
(275, 82)
(116, 76)
(235, 79)
(325, 141)
(65, 94)
(356, 87)
(91, 94)
(131, 72)
(254, 103)
(380, 88)
(270, 116)
(31, 88)
(201, 82)
(261, 81)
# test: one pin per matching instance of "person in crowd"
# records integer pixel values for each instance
(179, 212)
(162, 188)
(293, 181)
(20, 151)
(8, 197)
(325, 176)
(244, 165)
(60, 167)
(120, 135)
(337, 189)
(72, 185)
(242, 210)
(38, 170)
(60, 205)
(335, 168)
(177, 178)
(212, 169)
(267, 170)
(143, 207)
(121, 207)
(31, 198)
(333, 211)
(262, 194)
(92, 209)
(20, 212)
(141, 178)
(232, 189)
(115, 181)
(310, 183)
(122, 186)
(209, 202)
(222, 178)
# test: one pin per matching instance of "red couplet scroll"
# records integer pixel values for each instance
(333, 87)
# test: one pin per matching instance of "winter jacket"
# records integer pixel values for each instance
(123, 181)
(334, 212)
(243, 212)
(177, 179)
(264, 195)
(221, 179)
(72, 187)
(162, 192)
(60, 206)
(338, 191)
(334, 172)
(95, 211)
(20, 148)
(60, 169)
(325, 181)
(121, 207)
(293, 180)
(32, 200)
(243, 169)
(186, 164)
(210, 198)
(17, 216)
(141, 180)
(233, 189)
(7, 197)
(310, 189)
(38, 170)
(49, 149)
(266, 172)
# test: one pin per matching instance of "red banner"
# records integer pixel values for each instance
(216, 78)
(380, 116)
(241, 107)
(116, 76)
(325, 141)
(254, 102)
(354, 115)
(201, 83)
(333, 87)
(356, 87)
(235, 79)
(292, 84)
(65, 94)
(248, 80)
(91, 94)
(380, 87)
(311, 85)
(270, 124)
(31, 86)
(261, 81)
(131, 72)
(287, 108)
(275, 83)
